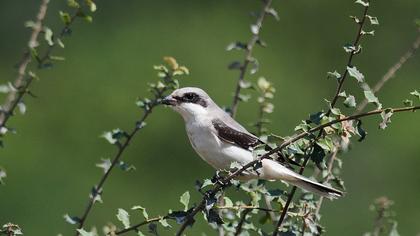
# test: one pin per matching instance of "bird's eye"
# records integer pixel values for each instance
(190, 96)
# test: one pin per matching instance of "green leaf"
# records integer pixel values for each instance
(48, 35)
(408, 102)
(353, 72)
(416, 94)
(365, 4)
(164, 223)
(373, 20)
(185, 199)
(60, 43)
(372, 98)
(91, 5)
(386, 118)
(228, 202)
(350, 101)
(273, 12)
(73, 4)
(2, 175)
(394, 231)
(143, 210)
(326, 144)
(65, 17)
(124, 217)
(71, 219)
(360, 131)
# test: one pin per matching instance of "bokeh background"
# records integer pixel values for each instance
(51, 160)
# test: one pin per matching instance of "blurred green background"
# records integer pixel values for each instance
(51, 160)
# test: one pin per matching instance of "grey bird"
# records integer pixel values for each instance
(220, 141)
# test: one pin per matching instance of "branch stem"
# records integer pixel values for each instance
(248, 56)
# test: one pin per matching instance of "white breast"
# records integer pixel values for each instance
(211, 149)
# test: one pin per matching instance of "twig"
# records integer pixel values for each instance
(21, 84)
(333, 102)
(248, 56)
(135, 227)
(98, 188)
(392, 71)
(224, 182)
(242, 221)
(378, 86)
(349, 61)
(330, 166)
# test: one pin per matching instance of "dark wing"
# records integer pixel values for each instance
(233, 136)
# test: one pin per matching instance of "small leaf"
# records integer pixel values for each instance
(360, 131)
(350, 101)
(124, 217)
(235, 65)
(236, 45)
(185, 199)
(386, 118)
(71, 219)
(21, 107)
(65, 17)
(373, 20)
(2, 175)
(143, 210)
(255, 66)
(73, 4)
(273, 12)
(408, 103)
(171, 62)
(317, 156)
(334, 75)
(213, 217)
(372, 98)
(48, 35)
(165, 223)
(361, 2)
(416, 94)
(91, 4)
(353, 72)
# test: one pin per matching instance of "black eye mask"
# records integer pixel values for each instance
(192, 98)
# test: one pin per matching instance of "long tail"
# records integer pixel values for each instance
(275, 171)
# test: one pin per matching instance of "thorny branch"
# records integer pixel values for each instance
(248, 56)
(378, 86)
(333, 102)
(21, 83)
(223, 183)
(392, 71)
(121, 148)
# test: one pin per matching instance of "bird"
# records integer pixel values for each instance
(220, 141)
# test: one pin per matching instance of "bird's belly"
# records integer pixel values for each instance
(218, 154)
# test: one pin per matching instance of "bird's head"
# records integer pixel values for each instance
(189, 102)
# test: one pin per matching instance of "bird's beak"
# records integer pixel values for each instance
(169, 100)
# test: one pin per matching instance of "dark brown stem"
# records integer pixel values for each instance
(98, 188)
(135, 227)
(248, 56)
(242, 221)
(349, 61)
(21, 84)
